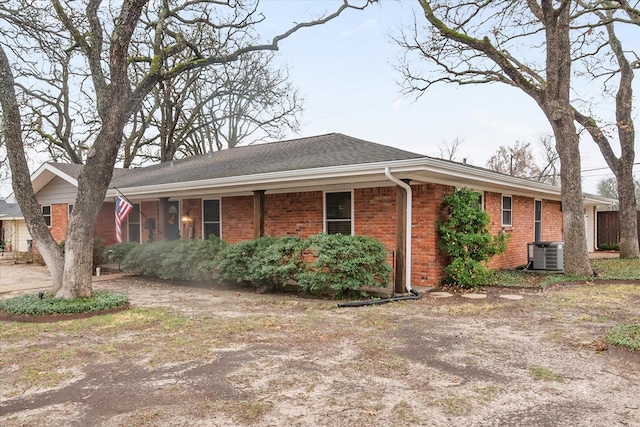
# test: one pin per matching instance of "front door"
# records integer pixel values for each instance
(172, 221)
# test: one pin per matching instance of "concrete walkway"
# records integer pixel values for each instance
(18, 279)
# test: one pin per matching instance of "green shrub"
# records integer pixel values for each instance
(322, 263)
(116, 253)
(608, 247)
(33, 305)
(263, 261)
(175, 260)
(344, 264)
(146, 259)
(626, 336)
(190, 260)
(465, 237)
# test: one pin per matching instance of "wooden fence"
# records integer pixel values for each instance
(609, 228)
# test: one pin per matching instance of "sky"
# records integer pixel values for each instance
(345, 72)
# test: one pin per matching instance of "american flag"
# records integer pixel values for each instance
(122, 210)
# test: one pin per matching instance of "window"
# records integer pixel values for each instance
(507, 211)
(338, 213)
(537, 221)
(69, 210)
(133, 224)
(46, 214)
(481, 199)
(210, 218)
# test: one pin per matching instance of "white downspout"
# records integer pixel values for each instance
(407, 187)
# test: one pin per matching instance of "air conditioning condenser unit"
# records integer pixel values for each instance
(547, 256)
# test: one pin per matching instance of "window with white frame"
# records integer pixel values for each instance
(46, 214)
(338, 209)
(69, 210)
(507, 211)
(210, 218)
(537, 221)
(481, 199)
(134, 229)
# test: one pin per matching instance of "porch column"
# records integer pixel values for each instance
(258, 213)
(401, 238)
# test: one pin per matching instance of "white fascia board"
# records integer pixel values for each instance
(265, 181)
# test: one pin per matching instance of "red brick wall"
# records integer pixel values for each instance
(149, 211)
(375, 214)
(301, 213)
(59, 221)
(522, 231)
(237, 218)
(552, 221)
(293, 214)
(428, 259)
(191, 208)
(105, 224)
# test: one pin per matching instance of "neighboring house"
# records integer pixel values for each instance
(13, 228)
(323, 184)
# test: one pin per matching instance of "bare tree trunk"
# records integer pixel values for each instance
(93, 182)
(622, 166)
(557, 107)
(628, 215)
(22, 188)
(576, 260)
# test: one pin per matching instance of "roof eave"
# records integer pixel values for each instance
(420, 169)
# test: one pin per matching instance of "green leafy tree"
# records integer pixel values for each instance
(465, 237)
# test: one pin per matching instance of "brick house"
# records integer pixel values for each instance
(329, 183)
(13, 228)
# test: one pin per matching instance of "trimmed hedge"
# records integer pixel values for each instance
(189, 260)
(344, 264)
(322, 263)
(262, 261)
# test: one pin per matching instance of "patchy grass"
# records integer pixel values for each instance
(247, 412)
(617, 268)
(606, 269)
(626, 336)
(248, 359)
(545, 374)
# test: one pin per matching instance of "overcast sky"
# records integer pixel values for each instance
(345, 72)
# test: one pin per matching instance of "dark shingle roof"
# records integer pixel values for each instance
(9, 210)
(305, 153)
(73, 170)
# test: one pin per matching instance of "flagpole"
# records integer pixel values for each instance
(119, 194)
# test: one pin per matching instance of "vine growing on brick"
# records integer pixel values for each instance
(465, 237)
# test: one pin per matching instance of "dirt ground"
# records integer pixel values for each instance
(220, 356)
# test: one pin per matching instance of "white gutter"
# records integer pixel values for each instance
(407, 187)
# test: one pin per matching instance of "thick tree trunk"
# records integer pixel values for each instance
(93, 182)
(576, 258)
(557, 107)
(628, 216)
(21, 177)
